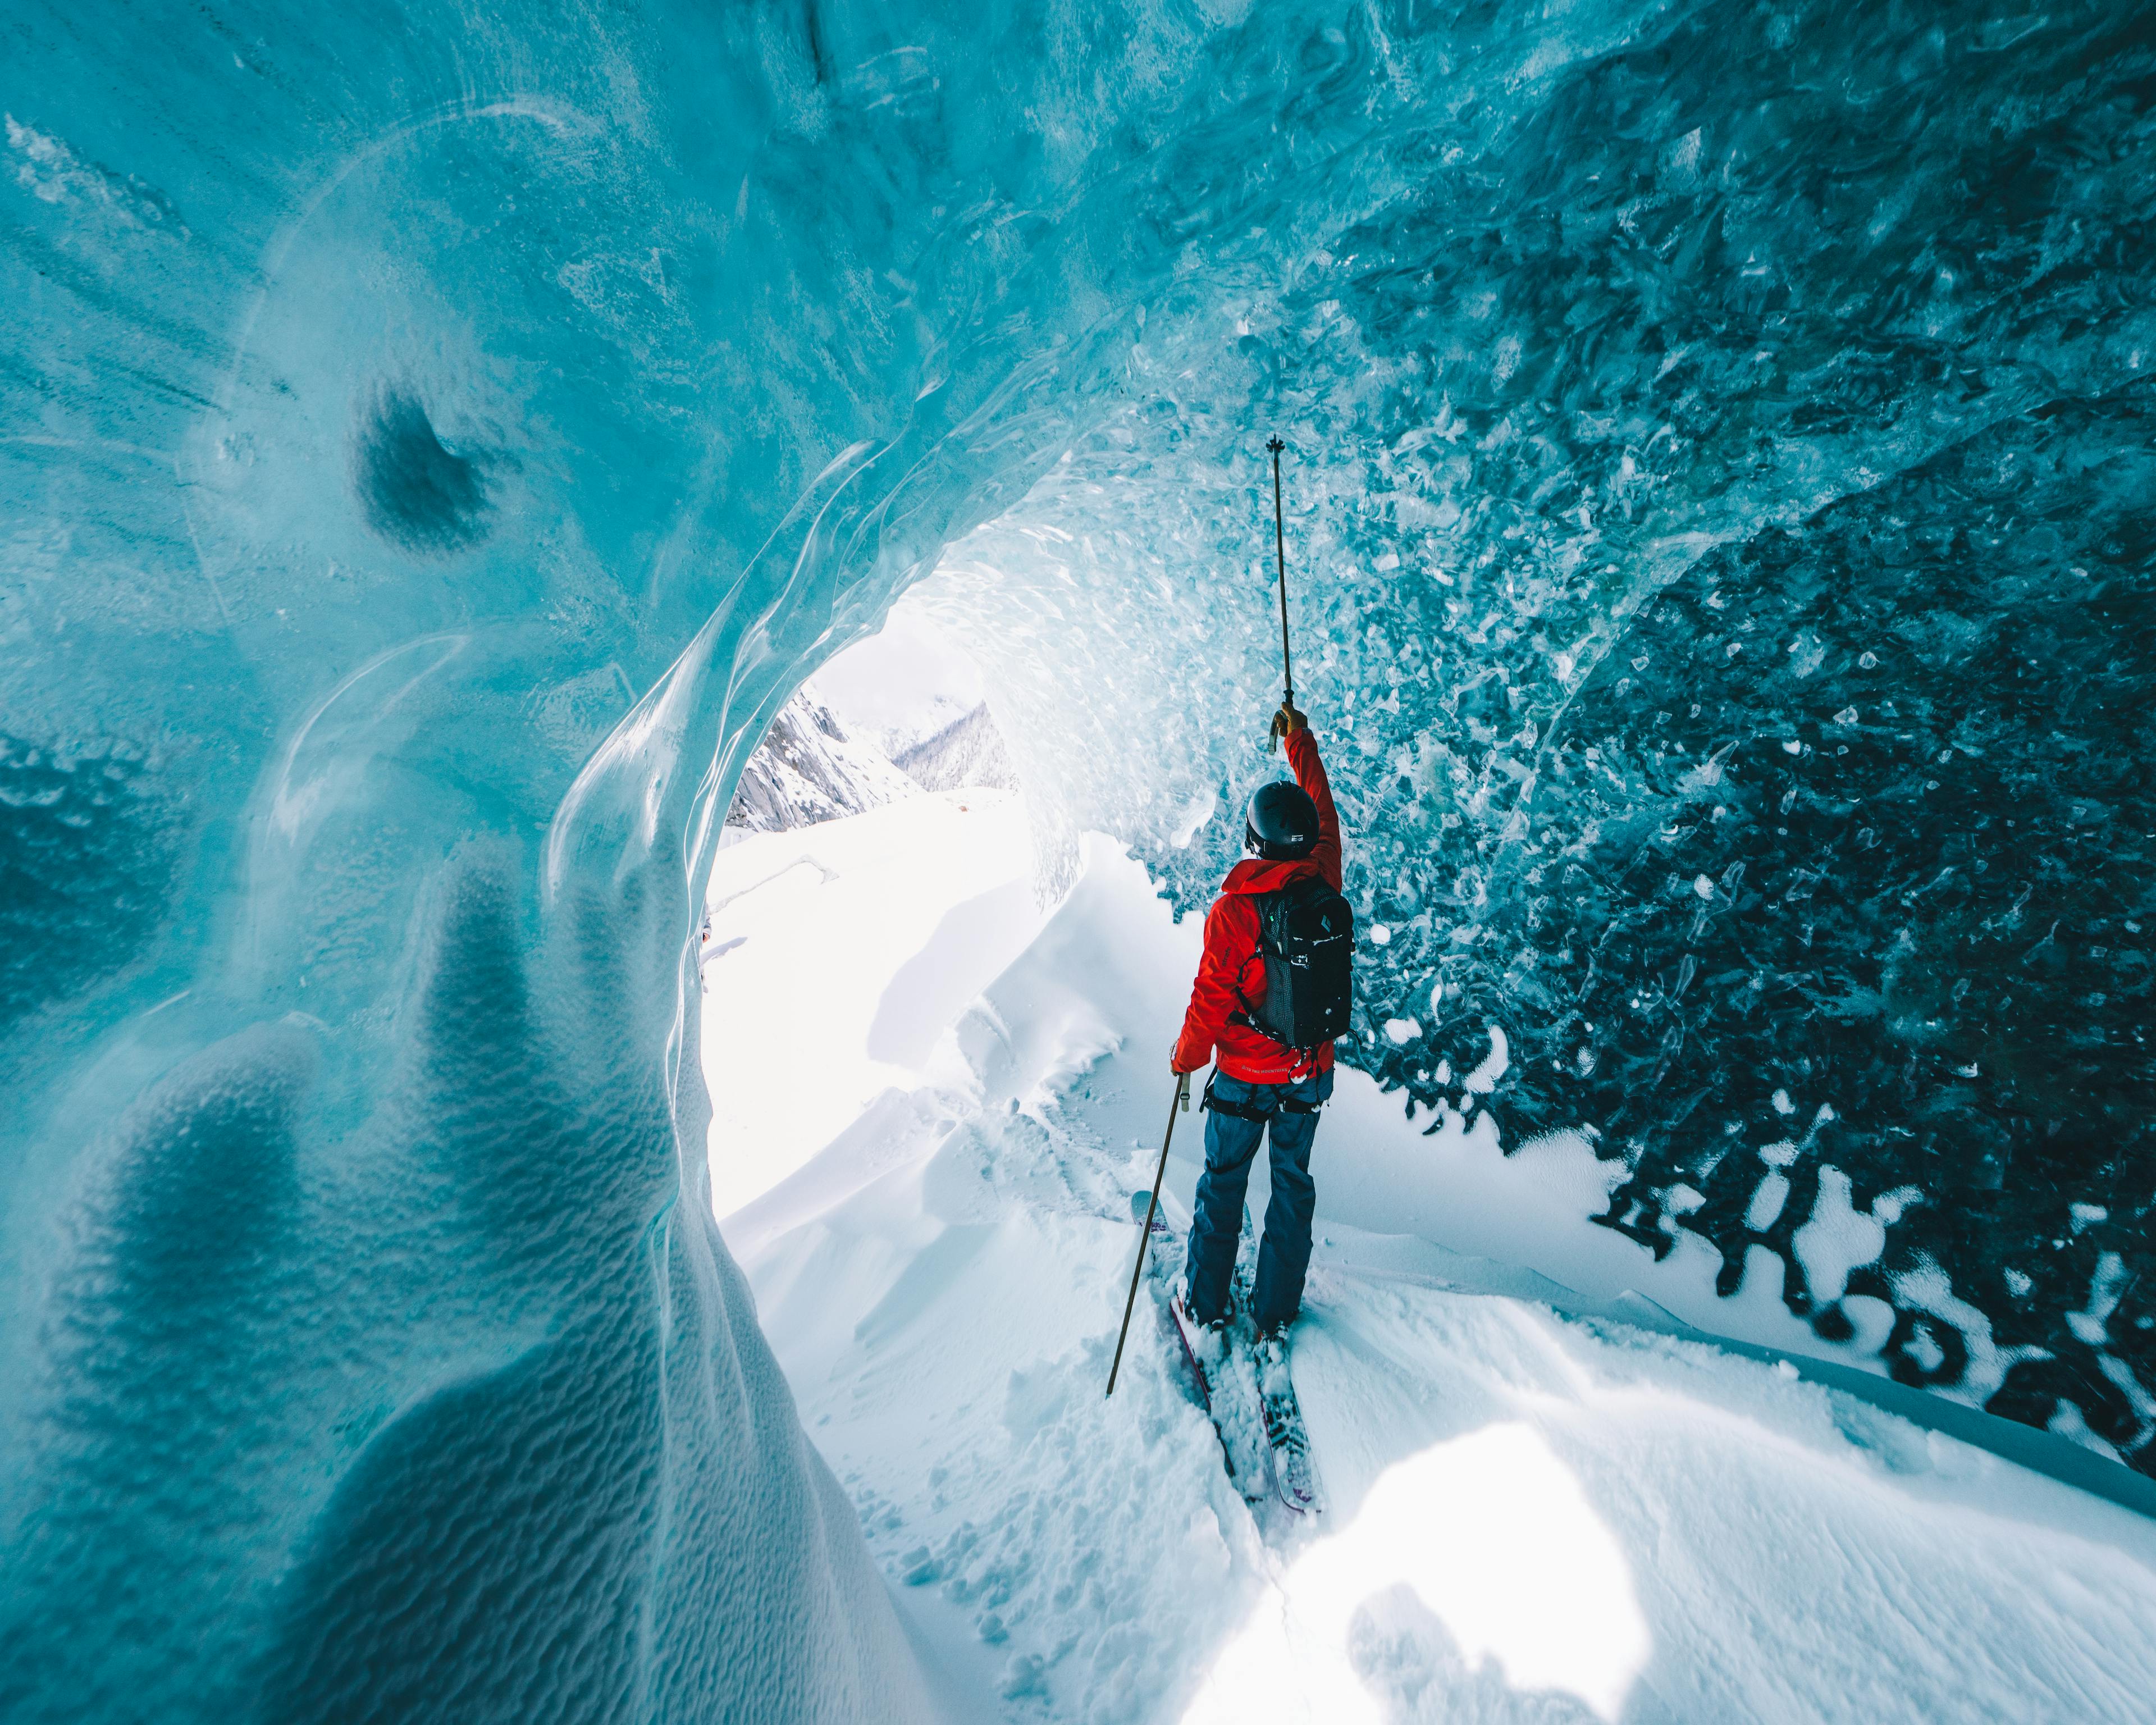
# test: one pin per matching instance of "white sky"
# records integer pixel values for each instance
(903, 683)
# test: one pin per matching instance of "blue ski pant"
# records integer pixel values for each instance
(1237, 1117)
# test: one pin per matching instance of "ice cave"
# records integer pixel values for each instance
(633, 640)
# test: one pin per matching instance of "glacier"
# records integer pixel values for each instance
(438, 443)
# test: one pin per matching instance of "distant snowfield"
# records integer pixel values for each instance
(932, 1104)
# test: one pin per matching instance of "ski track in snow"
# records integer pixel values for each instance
(1528, 1516)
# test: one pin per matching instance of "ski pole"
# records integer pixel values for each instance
(1145, 1234)
(1280, 558)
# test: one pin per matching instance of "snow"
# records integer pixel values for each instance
(1530, 1516)
(1490, 1068)
(2104, 1289)
(1768, 1198)
(925, 899)
(901, 684)
(1460, 1536)
(1836, 1238)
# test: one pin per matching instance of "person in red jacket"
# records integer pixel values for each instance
(1258, 1085)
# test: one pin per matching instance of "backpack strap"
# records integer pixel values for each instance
(1265, 904)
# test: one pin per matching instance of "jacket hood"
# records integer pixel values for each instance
(1253, 874)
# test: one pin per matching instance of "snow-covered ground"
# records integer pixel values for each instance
(933, 1104)
(835, 956)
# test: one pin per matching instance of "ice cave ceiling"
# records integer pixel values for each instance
(1720, 516)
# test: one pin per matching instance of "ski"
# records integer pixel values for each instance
(1285, 1437)
(1185, 1333)
(1225, 1391)
(1231, 1391)
(1164, 1267)
(1230, 1402)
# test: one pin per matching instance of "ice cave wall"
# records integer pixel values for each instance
(1721, 554)
(437, 442)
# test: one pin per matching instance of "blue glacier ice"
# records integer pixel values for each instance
(437, 441)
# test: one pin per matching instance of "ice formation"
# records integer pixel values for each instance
(1716, 527)
(438, 442)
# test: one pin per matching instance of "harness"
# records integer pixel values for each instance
(1245, 1111)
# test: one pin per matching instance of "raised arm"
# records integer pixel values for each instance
(1310, 774)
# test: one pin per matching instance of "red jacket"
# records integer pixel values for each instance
(1231, 976)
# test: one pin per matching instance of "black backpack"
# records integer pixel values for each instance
(1307, 931)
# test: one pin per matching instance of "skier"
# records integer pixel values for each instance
(1272, 992)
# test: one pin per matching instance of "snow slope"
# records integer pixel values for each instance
(967, 751)
(1530, 1516)
(833, 954)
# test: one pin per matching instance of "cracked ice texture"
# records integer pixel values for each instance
(435, 444)
(1721, 562)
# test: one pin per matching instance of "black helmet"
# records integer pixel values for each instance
(1283, 823)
